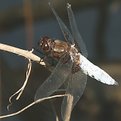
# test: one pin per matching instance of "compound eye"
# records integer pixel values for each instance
(45, 45)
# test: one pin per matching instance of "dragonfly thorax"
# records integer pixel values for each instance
(58, 48)
(54, 48)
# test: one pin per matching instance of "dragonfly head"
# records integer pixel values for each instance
(45, 44)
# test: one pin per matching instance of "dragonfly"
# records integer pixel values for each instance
(72, 65)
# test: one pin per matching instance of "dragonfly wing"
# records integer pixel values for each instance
(67, 35)
(76, 85)
(55, 80)
(75, 32)
(96, 72)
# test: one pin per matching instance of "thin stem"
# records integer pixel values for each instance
(31, 104)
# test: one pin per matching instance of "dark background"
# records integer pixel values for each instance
(23, 22)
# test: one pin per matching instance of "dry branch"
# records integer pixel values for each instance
(25, 53)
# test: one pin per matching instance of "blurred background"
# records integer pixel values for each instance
(24, 22)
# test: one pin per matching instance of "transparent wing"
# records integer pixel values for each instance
(55, 80)
(75, 32)
(76, 85)
(67, 35)
(96, 72)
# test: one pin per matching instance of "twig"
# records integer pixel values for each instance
(20, 91)
(68, 110)
(54, 111)
(25, 53)
(31, 104)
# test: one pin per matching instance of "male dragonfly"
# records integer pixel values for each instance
(72, 65)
